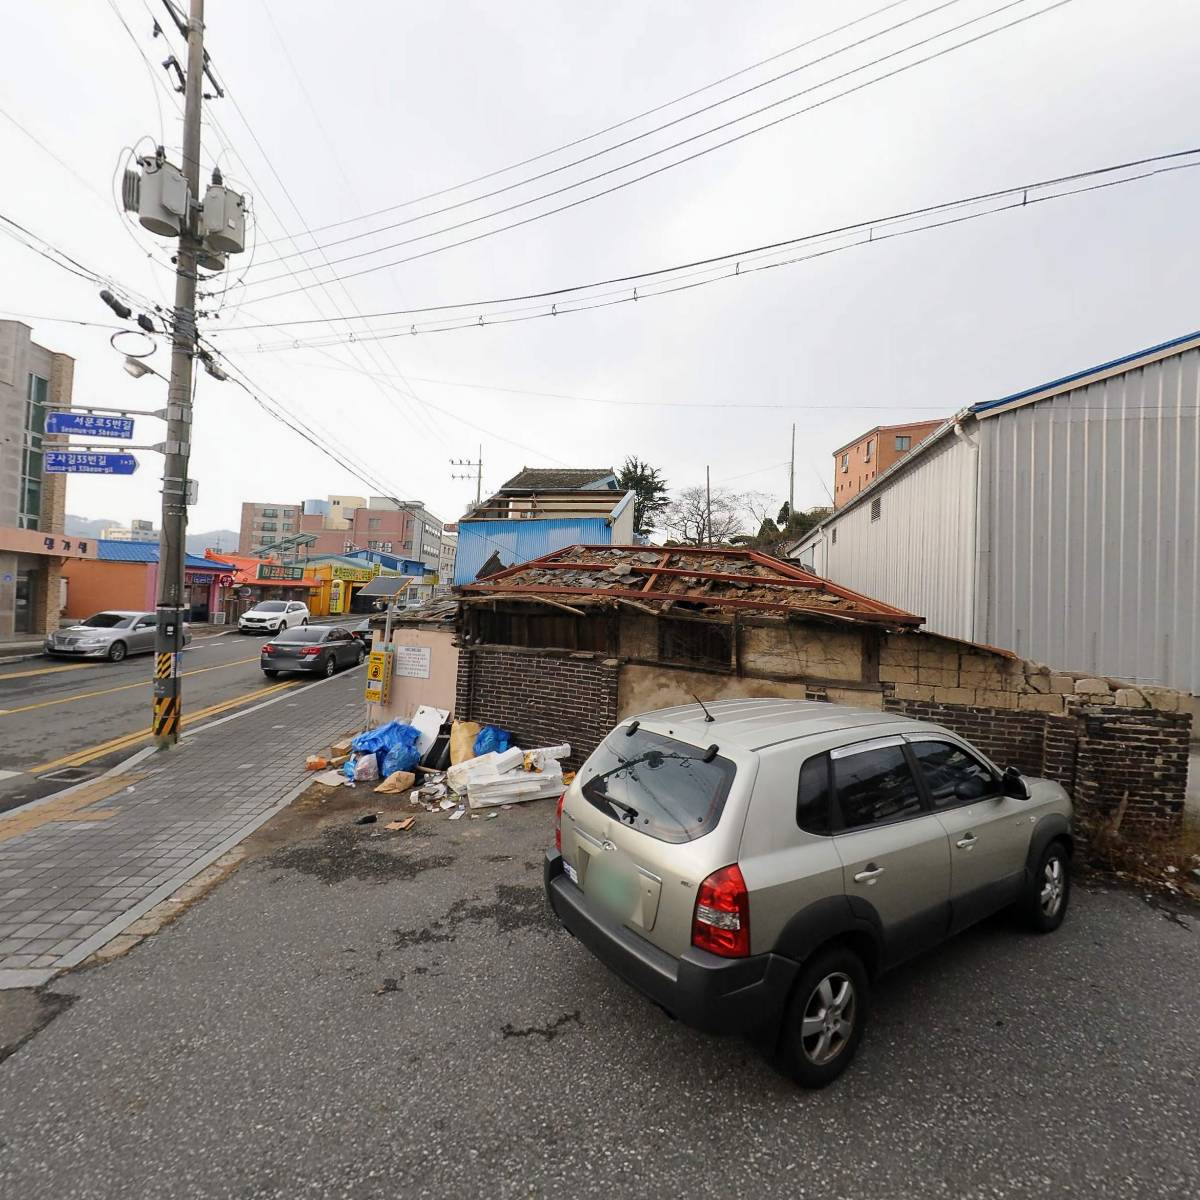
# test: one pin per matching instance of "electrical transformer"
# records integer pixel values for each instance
(160, 197)
(223, 220)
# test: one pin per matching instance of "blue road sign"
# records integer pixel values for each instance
(93, 424)
(77, 462)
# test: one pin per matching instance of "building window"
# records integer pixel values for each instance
(287, 512)
(373, 522)
(869, 450)
(36, 394)
(876, 508)
(697, 643)
(903, 441)
(270, 512)
(845, 463)
(288, 527)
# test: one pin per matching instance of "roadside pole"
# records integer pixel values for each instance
(168, 685)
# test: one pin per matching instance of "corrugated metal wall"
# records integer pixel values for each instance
(918, 554)
(1092, 506)
(517, 541)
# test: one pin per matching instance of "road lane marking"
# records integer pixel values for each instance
(124, 687)
(91, 666)
(79, 757)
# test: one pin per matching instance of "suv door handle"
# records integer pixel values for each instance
(868, 876)
(966, 842)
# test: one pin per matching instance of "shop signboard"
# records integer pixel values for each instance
(279, 571)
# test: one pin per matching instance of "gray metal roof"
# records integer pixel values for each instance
(556, 479)
(755, 723)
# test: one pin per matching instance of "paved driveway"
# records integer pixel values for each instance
(396, 1015)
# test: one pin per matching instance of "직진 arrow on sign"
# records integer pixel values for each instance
(79, 462)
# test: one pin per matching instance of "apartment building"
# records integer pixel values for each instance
(861, 462)
(33, 547)
(264, 523)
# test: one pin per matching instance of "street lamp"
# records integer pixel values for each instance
(139, 369)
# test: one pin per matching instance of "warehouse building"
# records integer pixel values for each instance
(1059, 522)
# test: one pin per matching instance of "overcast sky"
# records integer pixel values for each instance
(363, 106)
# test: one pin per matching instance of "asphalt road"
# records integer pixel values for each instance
(62, 721)
(358, 1013)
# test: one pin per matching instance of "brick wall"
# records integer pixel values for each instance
(542, 697)
(1102, 754)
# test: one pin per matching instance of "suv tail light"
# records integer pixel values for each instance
(558, 823)
(721, 924)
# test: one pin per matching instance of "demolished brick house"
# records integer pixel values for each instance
(560, 648)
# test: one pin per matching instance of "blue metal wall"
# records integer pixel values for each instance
(519, 541)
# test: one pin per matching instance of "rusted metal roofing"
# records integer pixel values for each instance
(659, 577)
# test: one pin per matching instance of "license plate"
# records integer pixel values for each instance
(612, 888)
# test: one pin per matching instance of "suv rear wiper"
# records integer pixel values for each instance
(627, 809)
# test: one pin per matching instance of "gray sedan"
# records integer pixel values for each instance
(320, 649)
(112, 635)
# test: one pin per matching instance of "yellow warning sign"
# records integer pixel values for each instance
(379, 676)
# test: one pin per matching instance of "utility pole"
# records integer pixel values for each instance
(792, 476)
(168, 690)
(478, 465)
(707, 507)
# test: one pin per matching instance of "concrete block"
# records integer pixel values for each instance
(913, 691)
(1038, 683)
(1095, 687)
(1162, 699)
(936, 654)
(1130, 697)
(1062, 685)
(954, 695)
(937, 676)
(897, 673)
(855, 698)
(1041, 703)
(898, 651)
(995, 698)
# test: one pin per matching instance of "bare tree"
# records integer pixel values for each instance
(686, 519)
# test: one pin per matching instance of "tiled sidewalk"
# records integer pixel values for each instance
(78, 867)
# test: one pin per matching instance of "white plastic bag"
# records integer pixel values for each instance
(366, 768)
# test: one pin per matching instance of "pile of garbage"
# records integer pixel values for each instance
(445, 765)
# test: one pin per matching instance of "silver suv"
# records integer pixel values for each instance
(752, 864)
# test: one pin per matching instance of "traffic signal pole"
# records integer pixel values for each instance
(168, 687)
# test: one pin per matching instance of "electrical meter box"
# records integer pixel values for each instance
(162, 197)
(224, 220)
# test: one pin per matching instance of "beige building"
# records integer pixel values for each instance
(33, 547)
(266, 522)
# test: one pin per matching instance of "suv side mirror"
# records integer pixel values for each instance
(1014, 785)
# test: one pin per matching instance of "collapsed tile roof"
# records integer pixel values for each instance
(662, 577)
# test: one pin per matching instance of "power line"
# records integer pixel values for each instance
(769, 247)
(746, 264)
(611, 128)
(667, 166)
(650, 132)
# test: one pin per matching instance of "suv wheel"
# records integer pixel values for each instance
(826, 1017)
(1048, 891)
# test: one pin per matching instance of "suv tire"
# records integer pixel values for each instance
(1048, 892)
(831, 1001)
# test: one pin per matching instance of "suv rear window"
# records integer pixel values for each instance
(659, 786)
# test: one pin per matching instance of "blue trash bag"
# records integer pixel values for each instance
(492, 738)
(382, 741)
(403, 756)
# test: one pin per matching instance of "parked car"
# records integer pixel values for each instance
(362, 630)
(322, 649)
(752, 865)
(270, 616)
(112, 635)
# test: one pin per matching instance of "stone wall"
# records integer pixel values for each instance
(544, 697)
(1111, 745)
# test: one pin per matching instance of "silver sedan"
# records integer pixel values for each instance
(112, 635)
